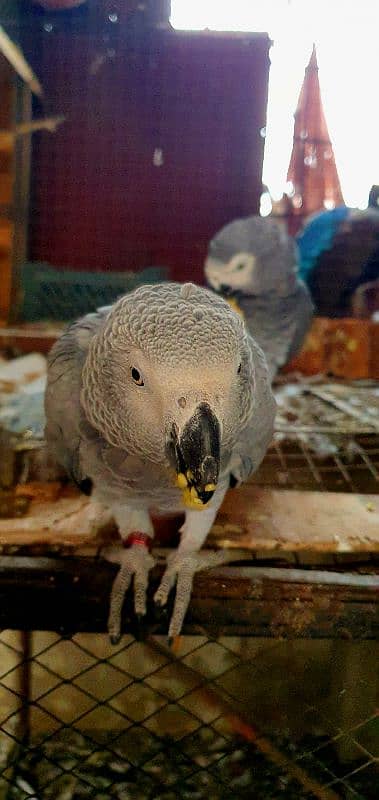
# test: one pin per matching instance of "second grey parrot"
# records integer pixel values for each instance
(255, 262)
(158, 403)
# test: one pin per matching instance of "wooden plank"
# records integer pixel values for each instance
(5, 285)
(69, 520)
(310, 360)
(6, 188)
(21, 193)
(6, 185)
(6, 234)
(276, 519)
(345, 348)
(252, 518)
(30, 338)
(70, 595)
(374, 351)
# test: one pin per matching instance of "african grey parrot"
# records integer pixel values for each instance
(159, 402)
(254, 261)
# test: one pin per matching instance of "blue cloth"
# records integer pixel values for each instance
(317, 236)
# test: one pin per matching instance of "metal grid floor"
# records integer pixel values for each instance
(353, 466)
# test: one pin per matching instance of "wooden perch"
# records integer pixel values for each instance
(72, 594)
(47, 123)
(251, 518)
(16, 58)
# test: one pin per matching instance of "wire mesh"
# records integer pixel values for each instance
(352, 467)
(227, 718)
(61, 295)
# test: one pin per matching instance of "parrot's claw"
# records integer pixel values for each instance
(135, 563)
(181, 569)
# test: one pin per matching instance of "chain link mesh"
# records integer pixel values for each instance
(226, 718)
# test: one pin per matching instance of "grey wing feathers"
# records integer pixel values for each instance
(62, 397)
(273, 333)
(303, 318)
(279, 325)
(257, 434)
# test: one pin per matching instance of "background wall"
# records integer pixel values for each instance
(162, 144)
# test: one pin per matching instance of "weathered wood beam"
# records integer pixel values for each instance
(36, 338)
(69, 595)
(252, 517)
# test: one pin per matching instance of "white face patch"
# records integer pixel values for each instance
(236, 273)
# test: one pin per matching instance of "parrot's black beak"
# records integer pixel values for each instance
(197, 454)
(226, 290)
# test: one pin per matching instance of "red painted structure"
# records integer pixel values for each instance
(312, 170)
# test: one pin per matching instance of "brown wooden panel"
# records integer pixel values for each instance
(6, 233)
(6, 188)
(374, 351)
(5, 286)
(6, 95)
(346, 348)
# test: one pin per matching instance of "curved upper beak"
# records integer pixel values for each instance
(196, 454)
(215, 273)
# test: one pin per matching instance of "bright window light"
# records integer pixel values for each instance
(345, 33)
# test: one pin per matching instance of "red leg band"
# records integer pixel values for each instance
(142, 539)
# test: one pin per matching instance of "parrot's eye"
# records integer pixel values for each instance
(137, 377)
(239, 369)
(240, 266)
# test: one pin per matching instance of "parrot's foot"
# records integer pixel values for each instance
(181, 568)
(135, 563)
